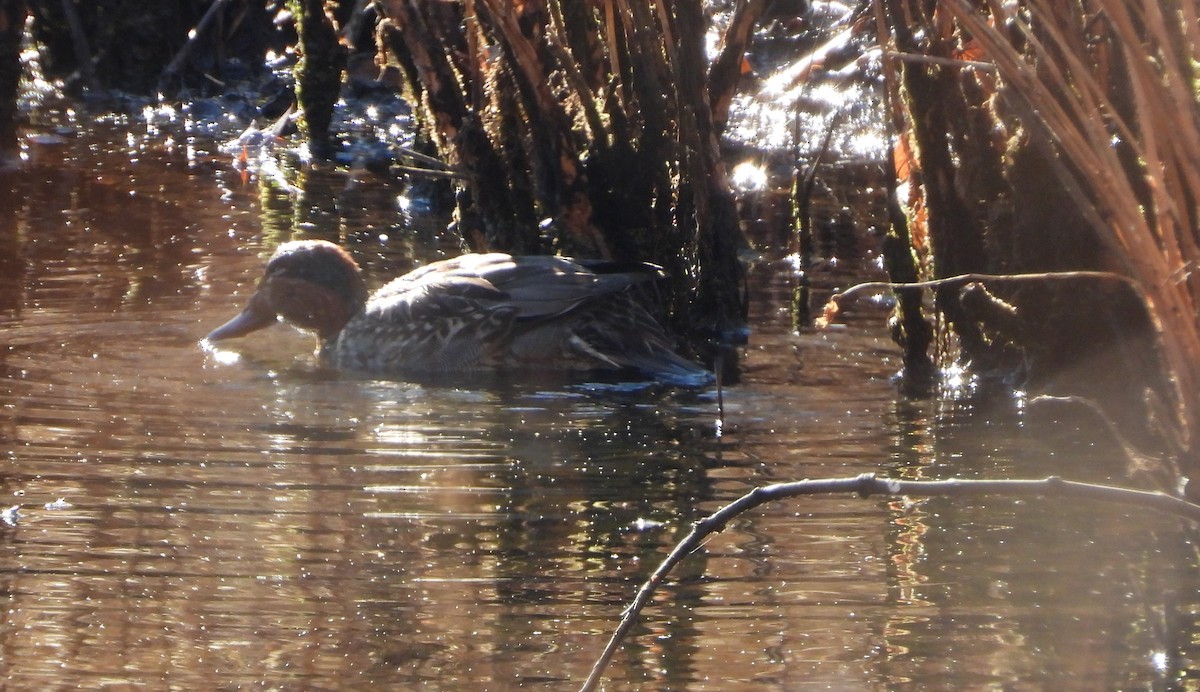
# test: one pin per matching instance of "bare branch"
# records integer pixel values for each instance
(865, 485)
(177, 61)
(838, 301)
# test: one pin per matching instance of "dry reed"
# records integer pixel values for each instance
(1061, 66)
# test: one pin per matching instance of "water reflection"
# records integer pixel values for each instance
(262, 521)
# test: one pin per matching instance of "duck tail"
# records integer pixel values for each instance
(630, 339)
(670, 368)
(650, 358)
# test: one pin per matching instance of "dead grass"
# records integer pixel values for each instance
(1087, 74)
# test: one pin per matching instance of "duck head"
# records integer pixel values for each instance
(312, 284)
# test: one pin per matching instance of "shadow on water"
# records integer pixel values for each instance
(181, 519)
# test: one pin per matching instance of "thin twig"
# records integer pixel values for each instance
(835, 304)
(213, 10)
(1067, 99)
(557, 42)
(430, 172)
(865, 485)
(945, 62)
(423, 158)
(83, 53)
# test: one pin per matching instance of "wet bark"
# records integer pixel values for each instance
(1031, 179)
(943, 134)
(911, 328)
(318, 72)
(585, 129)
(716, 222)
(430, 47)
(726, 71)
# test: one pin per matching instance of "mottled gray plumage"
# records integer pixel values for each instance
(477, 312)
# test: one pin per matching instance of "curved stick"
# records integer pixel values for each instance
(865, 485)
(834, 306)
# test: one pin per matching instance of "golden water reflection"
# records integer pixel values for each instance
(196, 522)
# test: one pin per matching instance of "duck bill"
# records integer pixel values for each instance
(255, 316)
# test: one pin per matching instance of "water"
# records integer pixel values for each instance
(192, 520)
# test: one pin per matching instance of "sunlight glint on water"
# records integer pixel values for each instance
(244, 517)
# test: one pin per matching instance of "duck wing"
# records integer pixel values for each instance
(584, 306)
(486, 310)
(540, 286)
(623, 335)
(431, 322)
(458, 314)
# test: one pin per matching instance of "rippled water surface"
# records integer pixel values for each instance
(178, 518)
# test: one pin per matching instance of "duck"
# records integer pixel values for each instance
(478, 312)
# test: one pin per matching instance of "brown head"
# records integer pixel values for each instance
(312, 284)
